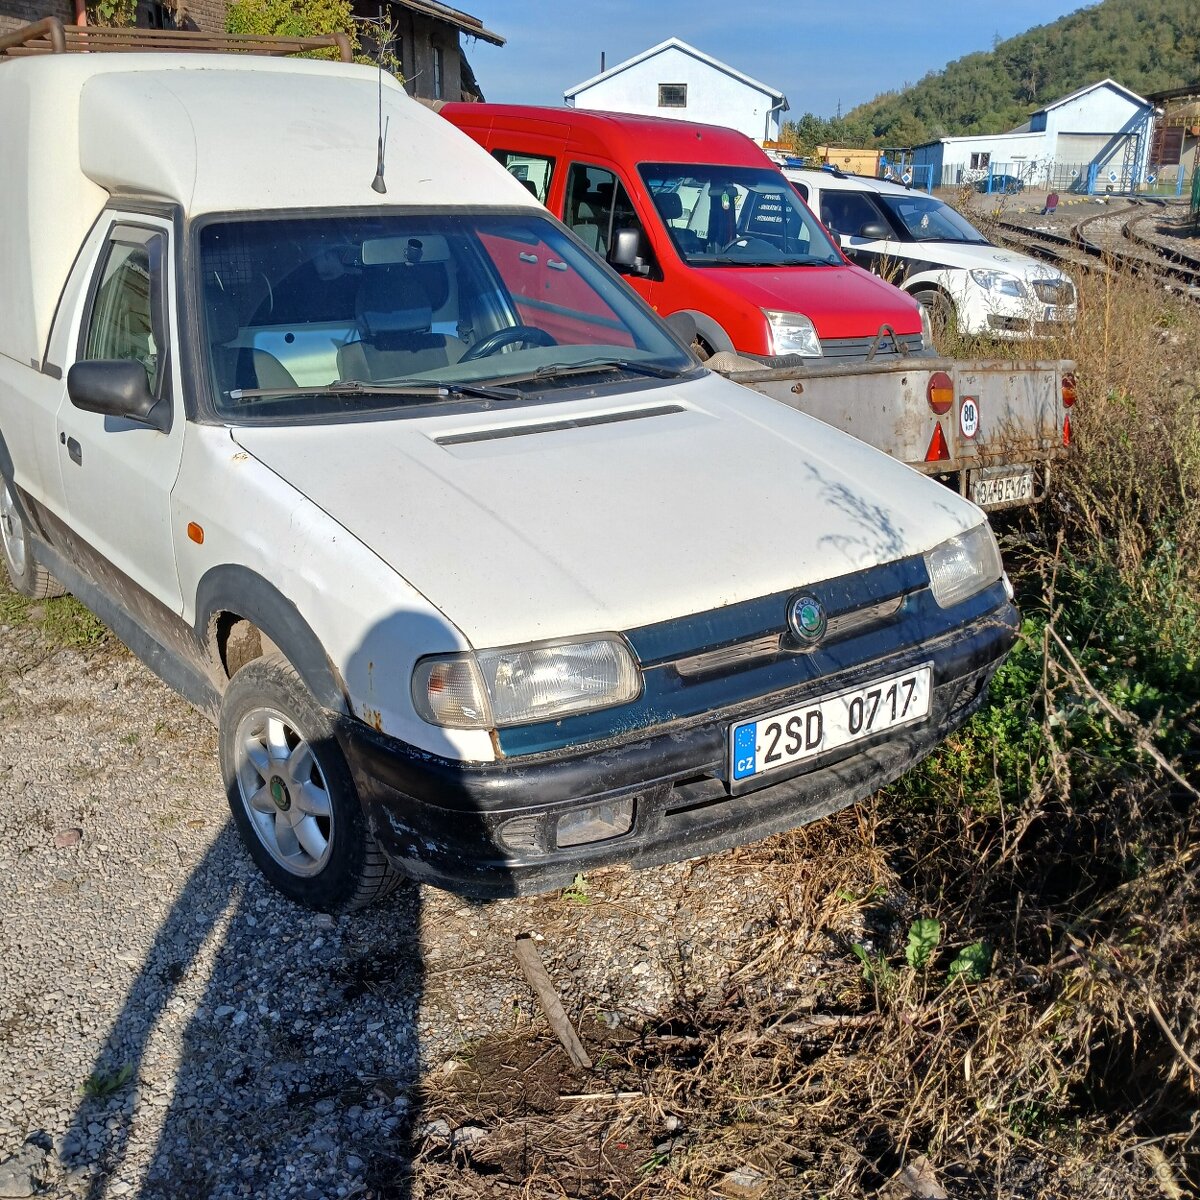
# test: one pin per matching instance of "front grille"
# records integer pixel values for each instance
(760, 649)
(1050, 291)
(857, 349)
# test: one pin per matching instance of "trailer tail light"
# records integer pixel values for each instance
(1068, 389)
(941, 393)
(1067, 430)
(938, 450)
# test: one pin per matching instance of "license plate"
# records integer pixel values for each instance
(780, 738)
(991, 489)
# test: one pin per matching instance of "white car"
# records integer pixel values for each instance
(935, 254)
(482, 575)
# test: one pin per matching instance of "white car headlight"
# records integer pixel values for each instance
(1002, 284)
(489, 689)
(926, 329)
(964, 565)
(792, 333)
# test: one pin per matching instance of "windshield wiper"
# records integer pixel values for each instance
(589, 365)
(430, 390)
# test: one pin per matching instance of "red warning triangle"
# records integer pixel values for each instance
(938, 450)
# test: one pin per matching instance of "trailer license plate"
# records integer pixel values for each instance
(1003, 487)
(774, 741)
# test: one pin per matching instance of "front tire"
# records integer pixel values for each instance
(292, 795)
(26, 574)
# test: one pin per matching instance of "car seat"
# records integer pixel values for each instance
(238, 366)
(394, 317)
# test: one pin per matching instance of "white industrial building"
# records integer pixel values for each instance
(674, 79)
(1099, 135)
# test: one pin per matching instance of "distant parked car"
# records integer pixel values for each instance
(938, 257)
(1005, 184)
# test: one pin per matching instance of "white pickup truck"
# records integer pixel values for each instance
(480, 586)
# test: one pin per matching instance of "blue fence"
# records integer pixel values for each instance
(1089, 179)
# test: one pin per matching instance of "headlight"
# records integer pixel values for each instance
(926, 329)
(490, 689)
(792, 333)
(964, 565)
(997, 281)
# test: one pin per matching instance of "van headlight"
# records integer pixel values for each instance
(964, 565)
(1000, 283)
(792, 333)
(489, 689)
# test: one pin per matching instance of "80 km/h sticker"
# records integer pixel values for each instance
(968, 416)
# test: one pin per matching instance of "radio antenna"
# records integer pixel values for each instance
(377, 184)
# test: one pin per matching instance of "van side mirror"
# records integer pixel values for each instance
(683, 326)
(876, 231)
(116, 388)
(624, 253)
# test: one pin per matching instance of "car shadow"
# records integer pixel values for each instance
(294, 1070)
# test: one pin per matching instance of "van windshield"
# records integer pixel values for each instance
(721, 216)
(335, 314)
(925, 219)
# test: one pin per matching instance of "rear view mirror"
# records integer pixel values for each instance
(875, 231)
(116, 388)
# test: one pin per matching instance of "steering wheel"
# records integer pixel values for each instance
(509, 336)
(747, 243)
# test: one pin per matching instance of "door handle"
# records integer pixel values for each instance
(75, 450)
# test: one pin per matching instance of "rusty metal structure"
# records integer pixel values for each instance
(51, 36)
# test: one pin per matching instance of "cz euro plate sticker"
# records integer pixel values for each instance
(829, 723)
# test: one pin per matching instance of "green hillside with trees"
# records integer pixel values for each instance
(1147, 45)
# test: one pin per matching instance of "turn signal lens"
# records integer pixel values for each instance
(938, 450)
(941, 392)
(1068, 389)
(1067, 430)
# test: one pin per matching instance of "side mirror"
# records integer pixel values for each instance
(624, 253)
(116, 388)
(875, 231)
(683, 326)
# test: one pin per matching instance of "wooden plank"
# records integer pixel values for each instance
(535, 972)
(46, 36)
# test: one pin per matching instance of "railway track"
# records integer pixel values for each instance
(1109, 240)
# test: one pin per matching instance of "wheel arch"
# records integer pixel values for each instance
(240, 616)
(709, 330)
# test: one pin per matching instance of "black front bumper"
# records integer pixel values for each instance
(440, 820)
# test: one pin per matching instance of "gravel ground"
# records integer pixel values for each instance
(170, 1027)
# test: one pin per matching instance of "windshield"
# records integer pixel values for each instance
(336, 314)
(927, 220)
(736, 216)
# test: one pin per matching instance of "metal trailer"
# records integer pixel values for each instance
(989, 429)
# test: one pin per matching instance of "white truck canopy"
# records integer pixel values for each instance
(211, 133)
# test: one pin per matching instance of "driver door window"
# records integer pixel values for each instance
(847, 212)
(123, 323)
(598, 204)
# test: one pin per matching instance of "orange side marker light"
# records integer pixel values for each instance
(196, 533)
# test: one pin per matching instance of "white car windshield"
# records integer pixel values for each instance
(332, 314)
(927, 220)
(736, 216)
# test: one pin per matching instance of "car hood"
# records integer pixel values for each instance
(842, 302)
(544, 521)
(990, 258)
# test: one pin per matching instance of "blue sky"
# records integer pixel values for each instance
(817, 53)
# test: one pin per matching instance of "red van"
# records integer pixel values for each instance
(700, 221)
